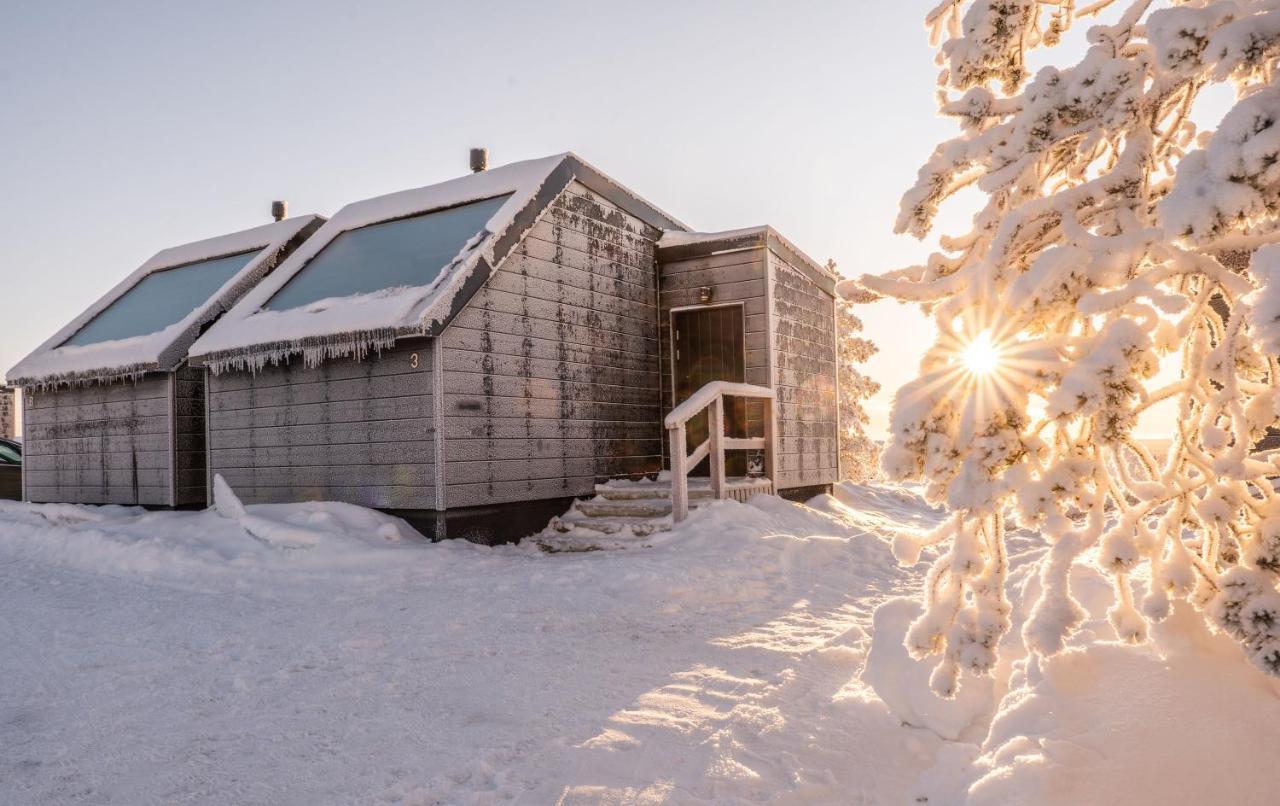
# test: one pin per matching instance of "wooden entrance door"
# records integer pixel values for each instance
(709, 344)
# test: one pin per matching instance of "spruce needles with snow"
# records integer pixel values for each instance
(1114, 233)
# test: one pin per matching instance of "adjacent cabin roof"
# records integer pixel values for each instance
(398, 265)
(149, 320)
(687, 245)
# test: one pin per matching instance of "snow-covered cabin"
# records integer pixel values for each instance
(112, 411)
(482, 351)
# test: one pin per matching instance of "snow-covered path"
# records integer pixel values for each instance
(172, 657)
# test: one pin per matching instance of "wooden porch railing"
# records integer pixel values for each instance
(712, 397)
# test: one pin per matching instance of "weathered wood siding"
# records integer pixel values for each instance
(734, 277)
(189, 479)
(360, 432)
(804, 375)
(551, 371)
(102, 444)
(8, 411)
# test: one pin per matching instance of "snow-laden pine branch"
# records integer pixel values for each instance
(1114, 234)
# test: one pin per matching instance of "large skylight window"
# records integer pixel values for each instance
(407, 252)
(162, 298)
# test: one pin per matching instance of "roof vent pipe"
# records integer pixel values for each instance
(280, 210)
(479, 160)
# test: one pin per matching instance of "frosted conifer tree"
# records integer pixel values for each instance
(1112, 234)
(858, 451)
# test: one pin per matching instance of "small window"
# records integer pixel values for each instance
(407, 252)
(161, 299)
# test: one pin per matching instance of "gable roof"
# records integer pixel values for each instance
(55, 362)
(252, 335)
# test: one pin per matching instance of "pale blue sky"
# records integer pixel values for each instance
(128, 127)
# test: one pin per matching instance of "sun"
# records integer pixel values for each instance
(980, 357)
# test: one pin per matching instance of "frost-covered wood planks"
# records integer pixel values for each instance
(551, 370)
(354, 431)
(101, 444)
(804, 377)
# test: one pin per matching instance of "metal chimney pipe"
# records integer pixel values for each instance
(280, 210)
(479, 159)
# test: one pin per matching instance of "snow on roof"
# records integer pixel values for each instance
(55, 362)
(676, 238)
(681, 245)
(251, 335)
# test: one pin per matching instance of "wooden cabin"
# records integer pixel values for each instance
(112, 411)
(477, 354)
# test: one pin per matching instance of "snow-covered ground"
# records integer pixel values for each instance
(321, 654)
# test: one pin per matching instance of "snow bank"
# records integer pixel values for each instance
(193, 661)
(903, 683)
(1103, 721)
(226, 540)
(753, 654)
(1108, 722)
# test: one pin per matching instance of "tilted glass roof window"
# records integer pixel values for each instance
(406, 252)
(162, 298)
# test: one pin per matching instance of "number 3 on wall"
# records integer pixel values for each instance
(413, 360)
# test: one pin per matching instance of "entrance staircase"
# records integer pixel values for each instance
(623, 511)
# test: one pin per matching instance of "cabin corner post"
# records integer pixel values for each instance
(771, 327)
(835, 347)
(25, 394)
(771, 462)
(670, 333)
(437, 406)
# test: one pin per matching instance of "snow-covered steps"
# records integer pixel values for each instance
(623, 512)
(661, 489)
(604, 507)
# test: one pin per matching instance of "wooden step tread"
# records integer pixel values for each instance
(636, 507)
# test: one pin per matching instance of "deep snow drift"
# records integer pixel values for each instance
(324, 654)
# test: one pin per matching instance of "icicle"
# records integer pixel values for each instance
(314, 352)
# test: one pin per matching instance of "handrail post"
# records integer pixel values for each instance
(679, 475)
(716, 422)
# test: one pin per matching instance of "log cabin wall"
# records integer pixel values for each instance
(361, 432)
(551, 371)
(100, 444)
(804, 353)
